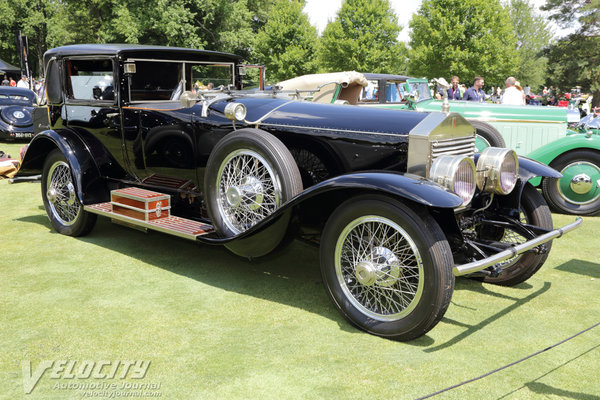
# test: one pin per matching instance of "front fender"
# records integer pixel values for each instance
(547, 153)
(90, 186)
(410, 187)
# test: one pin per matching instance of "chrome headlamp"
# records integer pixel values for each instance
(456, 173)
(235, 111)
(497, 170)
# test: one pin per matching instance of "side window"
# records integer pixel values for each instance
(370, 93)
(90, 80)
(167, 80)
(155, 80)
(394, 92)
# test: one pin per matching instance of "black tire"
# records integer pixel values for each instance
(488, 134)
(232, 206)
(417, 295)
(577, 192)
(61, 202)
(534, 211)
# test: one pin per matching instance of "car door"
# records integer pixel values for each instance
(90, 103)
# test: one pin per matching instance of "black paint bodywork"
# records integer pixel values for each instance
(340, 151)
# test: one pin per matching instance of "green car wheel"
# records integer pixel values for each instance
(578, 191)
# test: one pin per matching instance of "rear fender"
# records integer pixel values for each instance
(83, 158)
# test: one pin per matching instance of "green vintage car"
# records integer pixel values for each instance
(540, 133)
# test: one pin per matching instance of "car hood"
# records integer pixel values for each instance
(294, 115)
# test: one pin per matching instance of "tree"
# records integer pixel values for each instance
(575, 59)
(287, 44)
(533, 36)
(465, 38)
(363, 37)
(42, 21)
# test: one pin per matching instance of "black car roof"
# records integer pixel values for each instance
(389, 77)
(138, 50)
(16, 91)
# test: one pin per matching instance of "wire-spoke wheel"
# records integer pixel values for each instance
(534, 211)
(62, 205)
(386, 267)
(248, 190)
(379, 267)
(250, 174)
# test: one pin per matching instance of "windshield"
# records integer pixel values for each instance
(586, 119)
(595, 123)
(420, 88)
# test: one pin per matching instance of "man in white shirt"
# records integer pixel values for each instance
(512, 95)
(23, 82)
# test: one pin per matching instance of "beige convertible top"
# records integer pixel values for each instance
(351, 83)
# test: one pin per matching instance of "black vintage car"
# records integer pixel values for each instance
(167, 139)
(16, 108)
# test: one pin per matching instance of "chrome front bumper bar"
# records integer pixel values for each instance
(478, 265)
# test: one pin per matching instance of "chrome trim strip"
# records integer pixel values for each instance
(258, 121)
(478, 265)
(517, 120)
(337, 130)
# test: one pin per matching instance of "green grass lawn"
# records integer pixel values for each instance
(215, 326)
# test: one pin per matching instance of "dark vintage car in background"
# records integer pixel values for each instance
(16, 109)
(393, 198)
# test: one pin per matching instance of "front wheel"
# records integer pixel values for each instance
(534, 211)
(578, 191)
(62, 205)
(387, 268)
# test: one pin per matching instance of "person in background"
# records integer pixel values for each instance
(12, 82)
(454, 90)
(23, 82)
(520, 89)
(5, 81)
(475, 92)
(511, 95)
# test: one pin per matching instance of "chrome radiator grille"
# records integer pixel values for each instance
(463, 146)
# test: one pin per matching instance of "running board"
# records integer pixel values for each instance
(146, 209)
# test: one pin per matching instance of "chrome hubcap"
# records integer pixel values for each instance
(248, 190)
(581, 184)
(379, 268)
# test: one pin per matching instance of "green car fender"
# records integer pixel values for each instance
(547, 153)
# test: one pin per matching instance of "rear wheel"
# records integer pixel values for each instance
(534, 211)
(387, 268)
(62, 205)
(578, 191)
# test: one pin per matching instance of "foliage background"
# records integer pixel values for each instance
(493, 38)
